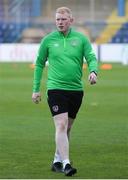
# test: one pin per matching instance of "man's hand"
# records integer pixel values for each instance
(92, 78)
(36, 97)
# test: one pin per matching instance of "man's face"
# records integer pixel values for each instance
(63, 22)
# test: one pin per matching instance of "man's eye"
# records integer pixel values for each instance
(63, 19)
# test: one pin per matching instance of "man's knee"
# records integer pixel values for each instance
(61, 122)
(62, 127)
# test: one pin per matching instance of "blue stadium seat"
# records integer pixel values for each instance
(125, 40)
(10, 32)
(125, 25)
(122, 35)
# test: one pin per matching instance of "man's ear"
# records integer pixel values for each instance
(72, 20)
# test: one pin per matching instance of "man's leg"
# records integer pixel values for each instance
(57, 157)
(61, 138)
(70, 123)
(62, 143)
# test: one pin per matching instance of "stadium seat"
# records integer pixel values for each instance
(122, 35)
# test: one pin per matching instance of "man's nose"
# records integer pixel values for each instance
(60, 21)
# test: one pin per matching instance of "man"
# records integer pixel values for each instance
(64, 49)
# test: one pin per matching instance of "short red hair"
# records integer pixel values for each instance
(63, 10)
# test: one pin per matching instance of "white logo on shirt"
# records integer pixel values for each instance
(55, 108)
(74, 42)
(56, 44)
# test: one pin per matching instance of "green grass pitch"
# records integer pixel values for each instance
(99, 138)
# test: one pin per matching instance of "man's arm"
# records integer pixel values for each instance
(91, 62)
(40, 63)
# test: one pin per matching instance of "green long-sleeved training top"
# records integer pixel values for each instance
(65, 55)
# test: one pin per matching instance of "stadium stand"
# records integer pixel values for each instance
(14, 19)
(89, 14)
(32, 35)
(20, 21)
(116, 28)
(122, 35)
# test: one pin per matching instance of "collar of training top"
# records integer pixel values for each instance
(68, 32)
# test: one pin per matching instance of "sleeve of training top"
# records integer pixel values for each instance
(40, 63)
(90, 56)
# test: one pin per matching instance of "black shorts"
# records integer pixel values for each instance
(61, 101)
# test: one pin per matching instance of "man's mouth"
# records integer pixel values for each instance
(60, 27)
